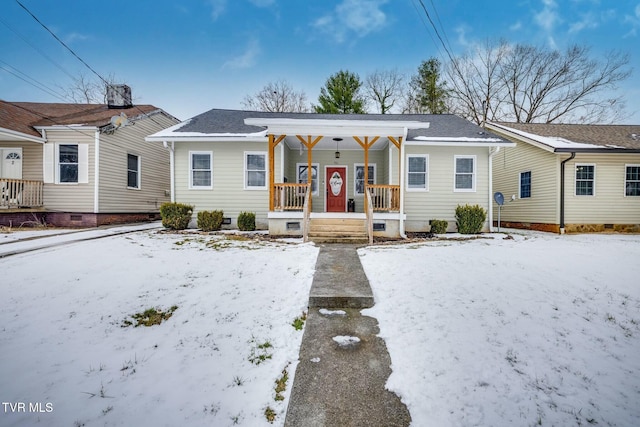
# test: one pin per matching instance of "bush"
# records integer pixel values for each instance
(470, 219)
(176, 216)
(247, 221)
(210, 220)
(439, 226)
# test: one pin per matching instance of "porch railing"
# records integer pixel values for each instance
(305, 216)
(18, 193)
(289, 197)
(369, 213)
(384, 198)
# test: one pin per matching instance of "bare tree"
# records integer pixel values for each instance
(277, 97)
(523, 83)
(384, 88)
(85, 90)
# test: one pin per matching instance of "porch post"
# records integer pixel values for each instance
(397, 143)
(273, 143)
(366, 144)
(309, 143)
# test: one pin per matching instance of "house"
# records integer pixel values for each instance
(323, 174)
(569, 178)
(82, 164)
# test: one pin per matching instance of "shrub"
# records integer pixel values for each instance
(176, 216)
(210, 220)
(439, 226)
(470, 219)
(247, 221)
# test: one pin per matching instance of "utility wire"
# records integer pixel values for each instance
(30, 80)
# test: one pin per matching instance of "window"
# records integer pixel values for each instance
(302, 176)
(68, 163)
(585, 179)
(417, 169)
(133, 171)
(632, 180)
(525, 184)
(465, 175)
(359, 177)
(200, 169)
(255, 176)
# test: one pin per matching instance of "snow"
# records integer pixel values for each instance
(346, 340)
(326, 312)
(456, 139)
(537, 329)
(533, 328)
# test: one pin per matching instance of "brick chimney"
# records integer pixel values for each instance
(119, 96)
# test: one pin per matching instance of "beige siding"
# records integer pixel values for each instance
(440, 201)
(31, 158)
(155, 184)
(543, 205)
(609, 205)
(71, 197)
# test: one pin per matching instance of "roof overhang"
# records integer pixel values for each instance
(459, 142)
(12, 135)
(335, 128)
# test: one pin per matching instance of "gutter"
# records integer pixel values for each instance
(401, 154)
(492, 152)
(96, 172)
(573, 155)
(171, 149)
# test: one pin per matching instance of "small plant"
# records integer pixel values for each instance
(260, 352)
(298, 322)
(176, 216)
(238, 381)
(150, 317)
(247, 221)
(281, 385)
(470, 219)
(210, 220)
(270, 414)
(439, 226)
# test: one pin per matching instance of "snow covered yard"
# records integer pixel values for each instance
(535, 330)
(65, 349)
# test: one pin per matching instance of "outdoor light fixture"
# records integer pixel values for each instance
(337, 151)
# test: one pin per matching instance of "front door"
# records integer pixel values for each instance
(11, 166)
(336, 183)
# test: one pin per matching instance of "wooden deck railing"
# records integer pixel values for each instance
(305, 216)
(18, 193)
(289, 197)
(385, 198)
(368, 208)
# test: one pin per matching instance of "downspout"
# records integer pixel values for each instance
(171, 149)
(401, 154)
(492, 152)
(96, 173)
(573, 155)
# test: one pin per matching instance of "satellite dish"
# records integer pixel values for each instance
(119, 121)
(499, 198)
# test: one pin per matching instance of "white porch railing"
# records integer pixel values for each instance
(18, 193)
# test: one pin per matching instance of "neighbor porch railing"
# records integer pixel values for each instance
(384, 198)
(289, 197)
(20, 193)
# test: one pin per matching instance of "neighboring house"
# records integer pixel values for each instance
(264, 163)
(569, 178)
(81, 164)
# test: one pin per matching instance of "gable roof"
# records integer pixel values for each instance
(24, 117)
(564, 138)
(225, 123)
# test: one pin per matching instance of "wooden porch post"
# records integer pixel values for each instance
(273, 142)
(397, 143)
(309, 143)
(366, 144)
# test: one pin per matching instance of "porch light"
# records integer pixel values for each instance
(337, 150)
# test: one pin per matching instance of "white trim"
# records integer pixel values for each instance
(19, 135)
(139, 172)
(266, 171)
(492, 152)
(200, 187)
(426, 173)
(355, 170)
(520, 184)
(473, 174)
(345, 184)
(575, 180)
(317, 166)
(624, 188)
(96, 174)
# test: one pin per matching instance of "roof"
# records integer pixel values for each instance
(224, 123)
(24, 117)
(576, 137)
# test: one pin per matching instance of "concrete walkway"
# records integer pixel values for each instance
(343, 364)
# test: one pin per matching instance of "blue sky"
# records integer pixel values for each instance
(190, 56)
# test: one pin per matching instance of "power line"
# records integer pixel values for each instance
(30, 80)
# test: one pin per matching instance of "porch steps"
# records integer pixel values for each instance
(338, 230)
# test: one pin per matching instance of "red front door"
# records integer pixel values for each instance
(336, 183)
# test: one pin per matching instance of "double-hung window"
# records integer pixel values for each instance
(465, 173)
(585, 180)
(255, 166)
(200, 169)
(525, 185)
(133, 171)
(632, 180)
(417, 172)
(68, 163)
(359, 177)
(303, 174)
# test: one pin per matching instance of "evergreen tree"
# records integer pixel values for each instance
(429, 94)
(341, 95)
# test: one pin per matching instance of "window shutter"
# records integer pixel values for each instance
(49, 163)
(83, 163)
